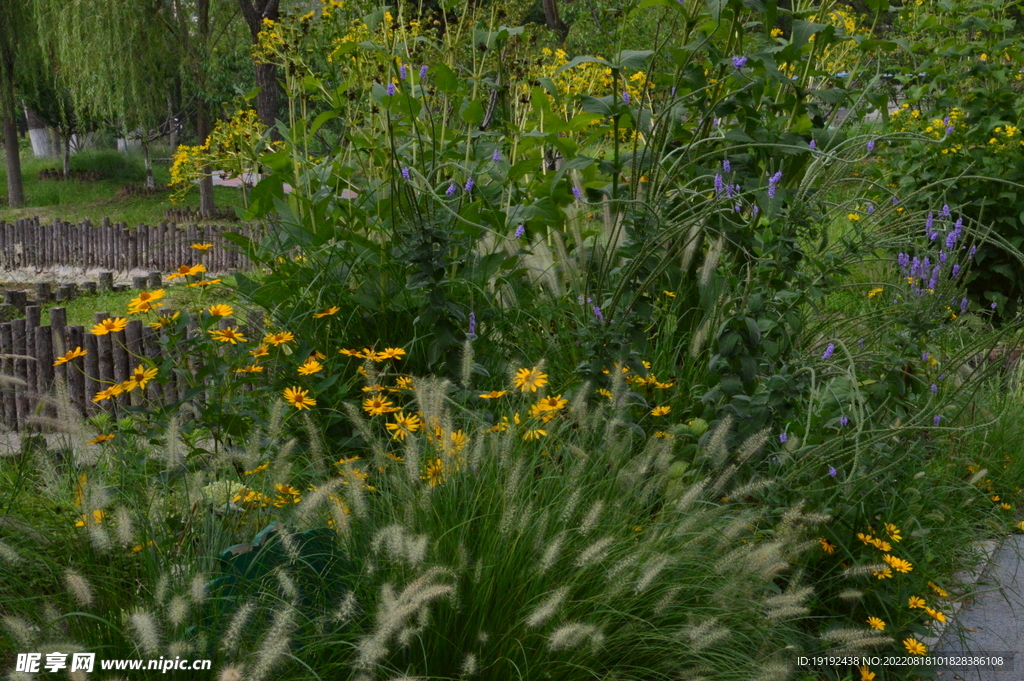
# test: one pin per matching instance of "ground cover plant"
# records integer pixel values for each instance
(635, 364)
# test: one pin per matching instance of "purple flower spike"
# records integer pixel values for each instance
(935, 388)
(945, 120)
(925, 356)
(829, 350)
(813, 145)
(719, 184)
(945, 211)
(993, 306)
(625, 96)
(391, 88)
(726, 166)
(739, 62)
(402, 71)
(970, 253)
(755, 210)
(520, 230)
(871, 208)
(949, 130)
(956, 270)
(405, 172)
(598, 314)
(472, 326)
(895, 200)
(942, 256)
(936, 420)
(423, 72)
(963, 306)
(451, 189)
(871, 146)
(673, 90)
(843, 421)
(831, 472)
(860, 342)
(496, 156)
(577, 193)
(469, 185)
(783, 437)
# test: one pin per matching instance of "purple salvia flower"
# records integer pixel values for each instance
(945, 211)
(942, 376)
(949, 130)
(755, 210)
(472, 326)
(895, 200)
(925, 356)
(598, 314)
(904, 261)
(860, 342)
(928, 223)
(813, 145)
(739, 62)
(590, 300)
(469, 185)
(843, 421)
(871, 208)
(935, 277)
(942, 256)
(970, 253)
(728, 190)
(451, 189)
(935, 388)
(828, 351)
(945, 121)
(726, 166)
(871, 146)
(496, 156)
(625, 96)
(783, 437)
(405, 172)
(993, 306)
(577, 193)
(936, 420)
(963, 306)
(673, 90)
(719, 184)
(771, 191)
(774, 179)
(402, 71)
(520, 230)
(956, 270)
(739, 208)
(831, 472)
(717, 122)
(423, 72)
(391, 88)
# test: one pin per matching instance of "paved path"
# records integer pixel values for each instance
(994, 620)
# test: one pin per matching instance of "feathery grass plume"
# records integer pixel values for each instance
(788, 604)
(851, 595)
(593, 515)
(666, 600)
(863, 570)
(401, 544)
(395, 611)
(274, 644)
(340, 516)
(772, 671)
(547, 608)
(469, 666)
(311, 502)
(622, 566)
(569, 510)
(700, 336)
(539, 264)
(353, 491)
(526, 518)
(710, 264)
(123, 527)
(852, 638)
(197, 589)
(651, 571)
(173, 450)
(752, 445)
(163, 585)
(704, 635)
(716, 449)
(288, 542)
(9, 555)
(411, 454)
(722, 480)
(466, 373)
(540, 529)
(431, 395)
(551, 553)
(177, 610)
(236, 626)
(574, 635)
(179, 649)
(347, 609)
(317, 449)
(20, 630)
(146, 633)
(355, 416)
(750, 489)
(692, 494)
(287, 584)
(594, 553)
(694, 238)
(578, 410)
(79, 588)
(232, 673)
(743, 522)
(281, 464)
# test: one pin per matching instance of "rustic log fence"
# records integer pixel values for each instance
(28, 351)
(117, 247)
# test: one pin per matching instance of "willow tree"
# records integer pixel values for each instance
(15, 27)
(113, 57)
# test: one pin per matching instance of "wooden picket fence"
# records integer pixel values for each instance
(29, 349)
(114, 246)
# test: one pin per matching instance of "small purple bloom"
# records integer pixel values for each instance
(829, 350)
(726, 166)
(598, 314)
(451, 189)
(871, 146)
(719, 184)
(942, 256)
(843, 421)
(935, 388)
(945, 120)
(936, 420)
(423, 72)
(472, 326)
(871, 208)
(813, 145)
(945, 211)
(673, 90)
(738, 208)
(625, 96)
(925, 356)
(942, 376)
(949, 130)
(391, 88)
(520, 230)
(993, 306)
(970, 253)
(956, 270)
(929, 222)
(405, 172)
(717, 122)
(895, 200)
(860, 342)
(496, 156)
(739, 62)
(469, 185)
(774, 179)
(963, 306)
(577, 193)
(402, 71)
(831, 472)
(783, 437)
(755, 210)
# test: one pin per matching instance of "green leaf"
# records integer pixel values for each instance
(576, 61)
(471, 111)
(632, 59)
(716, 7)
(598, 105)
(445, 79)
(803, 30)
(321, 119)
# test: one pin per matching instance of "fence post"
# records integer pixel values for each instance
(44, 361)
(76, 369)
(106, 282)
(33, 318)
(59, 324)
(133, 340)
(105, 353)
(91, 379)
(155, 280)
(7, 407)
(20, 370)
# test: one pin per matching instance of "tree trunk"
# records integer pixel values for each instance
(203, 128)
(172, 123)
(552, 19)
(67, 155)
(254, 12)
(15, 189)
(38, 134)
(145, 155)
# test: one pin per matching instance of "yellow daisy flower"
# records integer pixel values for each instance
(326, 312)
(109, 326)
(530, 379)
(279, 338)
(221, 310)
(298, 398)
(310, 366)
(228, 335)
(74, 354)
